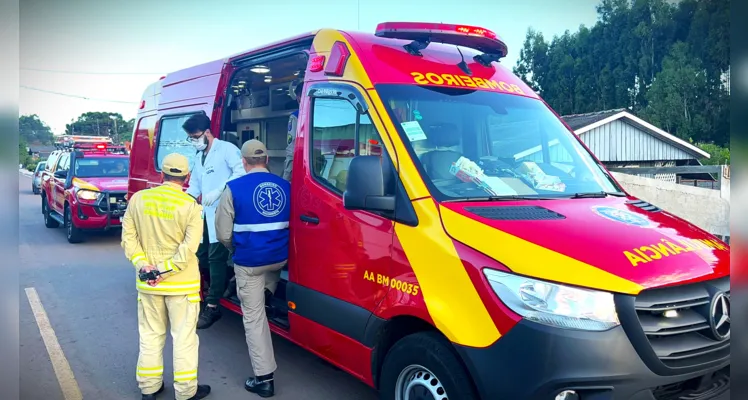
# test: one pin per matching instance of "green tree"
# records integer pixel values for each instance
(33, 130)
(718, 155)
(676, 96)
(630, 59)
(23, 151)
(97, 123)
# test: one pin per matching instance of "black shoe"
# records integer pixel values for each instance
(208, 317)
(152, 396)
(264, 387)
(202, 392)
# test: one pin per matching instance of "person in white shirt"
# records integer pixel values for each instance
(216, 163)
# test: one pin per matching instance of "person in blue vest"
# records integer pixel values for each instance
(252, 222)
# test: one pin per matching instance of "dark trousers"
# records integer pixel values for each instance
(214, 258)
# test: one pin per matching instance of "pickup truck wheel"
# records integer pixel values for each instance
(74, 233)
(48, 221)
(423, 366)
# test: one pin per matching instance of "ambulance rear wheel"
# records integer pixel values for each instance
(74, 233)
(423, 366)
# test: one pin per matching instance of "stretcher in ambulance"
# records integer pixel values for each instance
(450, 236)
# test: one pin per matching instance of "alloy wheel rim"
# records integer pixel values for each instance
(416, 382)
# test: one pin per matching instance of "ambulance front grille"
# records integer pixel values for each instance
(677, 323)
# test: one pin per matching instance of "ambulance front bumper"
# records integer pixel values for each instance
(534, 361)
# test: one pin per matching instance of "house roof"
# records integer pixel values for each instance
(42, 148)
(577, 121)
(582, 123)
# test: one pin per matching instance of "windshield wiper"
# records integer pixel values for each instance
(597, 195)
(499, 198)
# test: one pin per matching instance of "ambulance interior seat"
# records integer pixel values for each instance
(437, 162)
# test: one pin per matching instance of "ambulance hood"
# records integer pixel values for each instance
(611, 243)
(101, 184)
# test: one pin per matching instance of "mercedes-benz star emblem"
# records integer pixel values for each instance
(719, 314)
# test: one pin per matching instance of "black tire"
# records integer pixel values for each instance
(48, 221)
(74, 234)
(427, 360)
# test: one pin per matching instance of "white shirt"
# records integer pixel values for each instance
(222, 164)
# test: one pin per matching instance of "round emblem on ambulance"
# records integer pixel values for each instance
(622, 216)
(269, 199)
(719, 316)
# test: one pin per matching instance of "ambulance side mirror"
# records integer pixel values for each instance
(367, 183)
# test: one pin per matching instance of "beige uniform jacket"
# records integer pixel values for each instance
(163, 227)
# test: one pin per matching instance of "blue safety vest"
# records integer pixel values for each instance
(261, 214)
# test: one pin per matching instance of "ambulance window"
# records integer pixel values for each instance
(173, 139)
(335, 140)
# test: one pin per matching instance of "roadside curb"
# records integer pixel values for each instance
(24, 172)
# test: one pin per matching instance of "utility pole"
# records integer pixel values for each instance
(116, 132)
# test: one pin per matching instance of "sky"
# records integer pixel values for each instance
(108, 51)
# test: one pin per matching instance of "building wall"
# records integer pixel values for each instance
(706, 208)
(619, 141)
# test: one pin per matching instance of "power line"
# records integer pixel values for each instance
(77, 96)
(90, 72)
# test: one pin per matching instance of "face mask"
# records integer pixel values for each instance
(199, 144)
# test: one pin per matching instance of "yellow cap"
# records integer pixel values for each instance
(175, 164)
(254, 148)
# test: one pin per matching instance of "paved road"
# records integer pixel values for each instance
(88, 294)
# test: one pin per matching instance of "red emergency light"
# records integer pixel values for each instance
(423, 33)
(338, 58)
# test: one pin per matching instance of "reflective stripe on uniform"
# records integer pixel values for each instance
(169, 286)
(153, 371)
(195, 297)
(273, 226)
(169, 265)
(185, 376)
(137, 257)
(168, 190)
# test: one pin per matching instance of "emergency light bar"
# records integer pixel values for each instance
(422, 33)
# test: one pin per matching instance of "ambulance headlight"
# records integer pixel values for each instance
(90, 195)
(554, 304)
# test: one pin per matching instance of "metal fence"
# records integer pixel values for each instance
(717, 172)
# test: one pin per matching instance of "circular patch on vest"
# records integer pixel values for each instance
(269, 199)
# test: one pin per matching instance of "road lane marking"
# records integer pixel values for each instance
(65, 377)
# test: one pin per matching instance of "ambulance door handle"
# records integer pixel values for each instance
(310, 219)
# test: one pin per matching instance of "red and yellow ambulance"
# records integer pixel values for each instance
(450, 236)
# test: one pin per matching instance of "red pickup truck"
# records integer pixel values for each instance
(84, 188)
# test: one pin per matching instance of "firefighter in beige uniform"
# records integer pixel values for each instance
(161, 230)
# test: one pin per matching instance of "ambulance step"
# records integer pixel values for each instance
(277, 311)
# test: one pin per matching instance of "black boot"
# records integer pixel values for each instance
(152, 396)
(202, 392)
(208, 316)
(262, 386)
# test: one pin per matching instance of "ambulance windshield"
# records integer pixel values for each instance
(478, 144)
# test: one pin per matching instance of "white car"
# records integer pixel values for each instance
(36, 180)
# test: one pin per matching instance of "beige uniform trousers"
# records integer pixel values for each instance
(250, 286)
(154, 311)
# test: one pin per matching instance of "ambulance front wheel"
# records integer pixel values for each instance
(423, 366)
